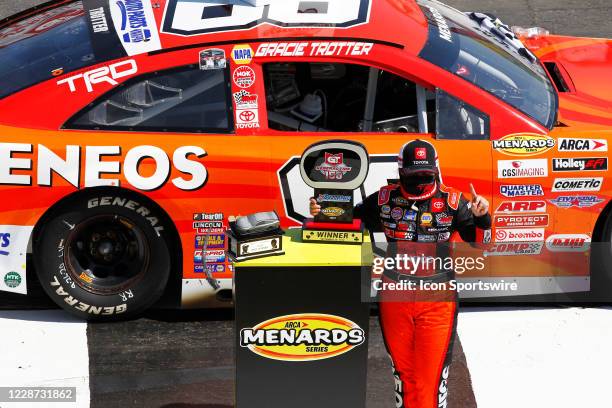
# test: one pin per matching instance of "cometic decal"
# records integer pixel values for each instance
(303, 337)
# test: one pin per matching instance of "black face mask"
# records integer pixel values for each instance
(415, 184)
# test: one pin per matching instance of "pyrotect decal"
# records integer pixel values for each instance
(302, 337)
(188, 17)
(524, 144)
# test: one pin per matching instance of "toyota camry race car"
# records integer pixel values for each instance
(131, 130)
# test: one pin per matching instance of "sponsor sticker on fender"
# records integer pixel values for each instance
(244, 77)
(532, 168)
(515, 249)
(577, 184)
(213, 58)
(247, 118)
(583, 145)
(519, 235)
(581, 164)
(583, 201)
(242, 54)
(315, 49)
(302, 337)
(568, 243)
(524, 144)
(521, 190)
(521, 206)
(514, 221)
(135, 25)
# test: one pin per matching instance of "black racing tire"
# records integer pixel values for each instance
(601, 265)
(104, 254)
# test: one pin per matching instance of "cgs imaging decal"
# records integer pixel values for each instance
(188, 17)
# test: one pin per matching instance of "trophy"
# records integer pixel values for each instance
(255, 236)
(334, 169)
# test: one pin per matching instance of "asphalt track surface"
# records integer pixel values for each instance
(180, 359)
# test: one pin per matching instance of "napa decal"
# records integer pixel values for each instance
(135, 25)
(524, 144)
(303, 337)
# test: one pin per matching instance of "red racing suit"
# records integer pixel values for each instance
(419, 327)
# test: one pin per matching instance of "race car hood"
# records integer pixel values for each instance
(580, 68)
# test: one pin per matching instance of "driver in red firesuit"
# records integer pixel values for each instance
(418, 216)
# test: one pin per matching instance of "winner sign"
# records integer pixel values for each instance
(334, 169)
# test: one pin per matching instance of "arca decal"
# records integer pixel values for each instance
(303, 337)
(69, 166)
(108, 74)
(188, 17)
(524, 144)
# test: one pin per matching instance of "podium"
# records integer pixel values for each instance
(301, 333)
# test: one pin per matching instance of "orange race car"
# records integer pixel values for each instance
(131, 130)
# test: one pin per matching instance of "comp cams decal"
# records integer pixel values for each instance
(85, 167)
(302, 337)
(524, 144)
(13, 249)
(188, 17)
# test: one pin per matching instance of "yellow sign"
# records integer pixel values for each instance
(332, 236)
(303, 337)
(333, 211)
(527, 144)
(242, 54)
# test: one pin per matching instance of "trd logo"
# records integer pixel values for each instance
(5, 242)
(582, 164)
(108, 74)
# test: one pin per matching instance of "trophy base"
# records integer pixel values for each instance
(245, 248)
(333, 232)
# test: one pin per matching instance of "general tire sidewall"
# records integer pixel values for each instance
(60, 285)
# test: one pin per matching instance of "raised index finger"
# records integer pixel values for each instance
(473, 191)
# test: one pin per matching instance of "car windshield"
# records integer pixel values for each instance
(45, 45)
(480, 50)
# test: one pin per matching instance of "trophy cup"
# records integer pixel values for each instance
(334, 169)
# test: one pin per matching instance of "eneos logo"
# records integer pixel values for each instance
(524, 144)
(303, 337)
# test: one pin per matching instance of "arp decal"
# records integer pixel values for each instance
(521, 207)
(188, 17)
(524, 144)
(302, 337)
(107, 74)
(86, 169)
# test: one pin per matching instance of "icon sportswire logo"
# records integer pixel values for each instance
(302, 337)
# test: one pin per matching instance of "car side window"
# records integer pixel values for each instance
(336, 97)
(457, 120)
(185, 99)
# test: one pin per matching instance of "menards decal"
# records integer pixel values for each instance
(98, 161)
(302, 337)
(524, 144)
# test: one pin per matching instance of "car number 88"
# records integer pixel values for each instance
(188, 17)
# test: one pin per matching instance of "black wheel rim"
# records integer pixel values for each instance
(106, 254)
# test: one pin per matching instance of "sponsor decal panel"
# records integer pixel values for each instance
(524, 144)
(583, 145)
(521, 207)
(519, 235)
(213, 58)
(532, 168)
(12, 280)
(339, 198)
(217, 256)
(302, 337)
(581, 164)
(315, 49)
(247, 118)
(242, 54)
(521, 190)
(577, 184)
(333, 212)
(579, 201)
(244, 77)
(14, 241)
(568, 243)
(246, 100)
(135, 25)
(514, 249)
(517, 221)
